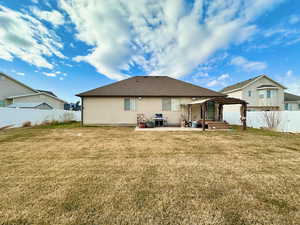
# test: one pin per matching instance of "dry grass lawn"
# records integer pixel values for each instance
(72, 175)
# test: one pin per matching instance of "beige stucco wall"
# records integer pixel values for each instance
(110, 110)
(9, 87)
(54, 103)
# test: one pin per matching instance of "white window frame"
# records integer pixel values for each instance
(269, 93)
(132, 104)
(174, 107)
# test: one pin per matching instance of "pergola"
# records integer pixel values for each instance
(221, 101)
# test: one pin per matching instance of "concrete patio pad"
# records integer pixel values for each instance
(168, 129)
(177, 129)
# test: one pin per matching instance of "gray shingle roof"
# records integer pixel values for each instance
(151, 86)
(290, 97)
(244, 83)
(48, 92)
(27, 105)
(239, 85)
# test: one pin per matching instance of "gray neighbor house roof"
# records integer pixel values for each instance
(238, 85)
(47, 92)
(151, 86)
(28, 105)
(244, 83)
(290, 97)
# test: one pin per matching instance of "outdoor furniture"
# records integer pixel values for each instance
(141, 120)
(159, 120)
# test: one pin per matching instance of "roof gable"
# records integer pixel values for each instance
(18, 82)
(151, 86)
(245, 83)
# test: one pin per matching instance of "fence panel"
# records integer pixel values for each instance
(289, 120)
(16, 117)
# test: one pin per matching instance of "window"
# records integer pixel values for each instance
(129, 104)
(166, 104)
(268, 93)
(2, 103)
(175, 104)
(286, 106)
(171, 104)
(249, 93)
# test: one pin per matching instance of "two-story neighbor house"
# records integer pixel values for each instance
(291, 102)
(261, 92)
(15, 94)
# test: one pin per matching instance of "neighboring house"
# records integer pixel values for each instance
(38, 105)
(291, 102)
(261, 92)
(120, 103)
(13, 92)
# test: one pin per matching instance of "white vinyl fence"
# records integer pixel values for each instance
(16, 117)
(289, 120)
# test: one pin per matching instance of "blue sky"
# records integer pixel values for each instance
(70, 46)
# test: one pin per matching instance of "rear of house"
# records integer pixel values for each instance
(120, 103)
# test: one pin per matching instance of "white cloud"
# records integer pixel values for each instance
(50, 74)
(22, 36)
(219, 81)
(168, 37)
(20, 74)
(291, 82)
(293, 19)
(54, 16)
(247, 65)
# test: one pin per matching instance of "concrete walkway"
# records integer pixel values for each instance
(168, 129)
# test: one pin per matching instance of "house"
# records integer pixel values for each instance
(291, 102)
(122, 102)
(14, 93)
(261, 92)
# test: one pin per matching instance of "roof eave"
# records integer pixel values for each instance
(182, 96)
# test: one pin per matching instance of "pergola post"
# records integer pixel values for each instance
(244, 115)
(203, 115)
(220, 111)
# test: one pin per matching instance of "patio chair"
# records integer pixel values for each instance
(140, 118)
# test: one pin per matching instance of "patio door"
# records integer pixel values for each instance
(211, 111)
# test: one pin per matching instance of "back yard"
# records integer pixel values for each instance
(72, 175)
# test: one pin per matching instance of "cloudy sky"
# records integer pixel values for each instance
(70, 46)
